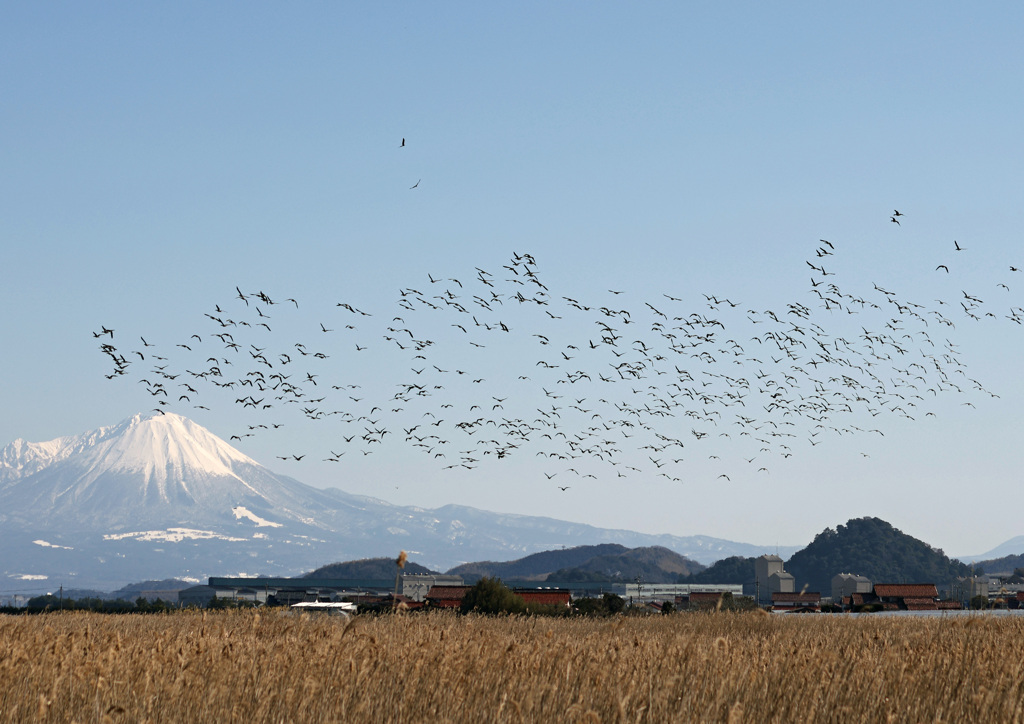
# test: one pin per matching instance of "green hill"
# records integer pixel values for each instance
(535, 567)
(367, 569)
(650, 564)
(873, 548)
(735, 569)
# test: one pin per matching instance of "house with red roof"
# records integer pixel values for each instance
(907, 596)
(445, 596)
(807, 601)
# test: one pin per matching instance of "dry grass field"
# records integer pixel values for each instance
(242, 666)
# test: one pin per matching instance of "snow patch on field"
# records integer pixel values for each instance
(242, 512)
(45, 544)
(171, 535)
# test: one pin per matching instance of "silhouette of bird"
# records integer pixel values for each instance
(813, 383)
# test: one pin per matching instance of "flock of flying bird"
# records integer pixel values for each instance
(612, 386)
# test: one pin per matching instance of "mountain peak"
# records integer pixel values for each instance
(164, 446)
(148, 467)
(159, 495)
(159, 447)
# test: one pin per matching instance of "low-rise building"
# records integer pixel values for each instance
(196, 596)
(445, 596)
(669, 591)
(286, 591)
(907, 596)
(808, 601)
(417, 585)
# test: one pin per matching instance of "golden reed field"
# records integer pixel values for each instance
(243, 666)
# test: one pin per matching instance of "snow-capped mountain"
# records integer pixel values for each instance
(159, 496)
(160, 470)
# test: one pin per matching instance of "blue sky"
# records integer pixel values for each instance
(157, 156)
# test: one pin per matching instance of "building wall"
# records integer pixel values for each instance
(668, 591)
(196, 596)
(846, 584)
(781, 582)
(416, 585)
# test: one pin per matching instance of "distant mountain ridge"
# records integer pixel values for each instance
(160, 496)
(1007, 549)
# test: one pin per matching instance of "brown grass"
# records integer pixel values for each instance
(274, 667)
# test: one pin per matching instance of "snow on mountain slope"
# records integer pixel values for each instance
(156, 469)
(161, 496)
(157, 446)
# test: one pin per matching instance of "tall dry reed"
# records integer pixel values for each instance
(270, 666)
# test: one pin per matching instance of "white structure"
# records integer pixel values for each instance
(335, 608)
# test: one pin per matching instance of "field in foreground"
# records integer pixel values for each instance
(275, 667)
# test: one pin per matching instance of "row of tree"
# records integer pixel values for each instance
(50, 602)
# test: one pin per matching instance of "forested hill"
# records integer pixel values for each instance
(873, 548)
(652, 564)
(367, 569)
(536, 566)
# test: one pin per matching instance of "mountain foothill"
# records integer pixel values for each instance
(865, 546)
(159, 496)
